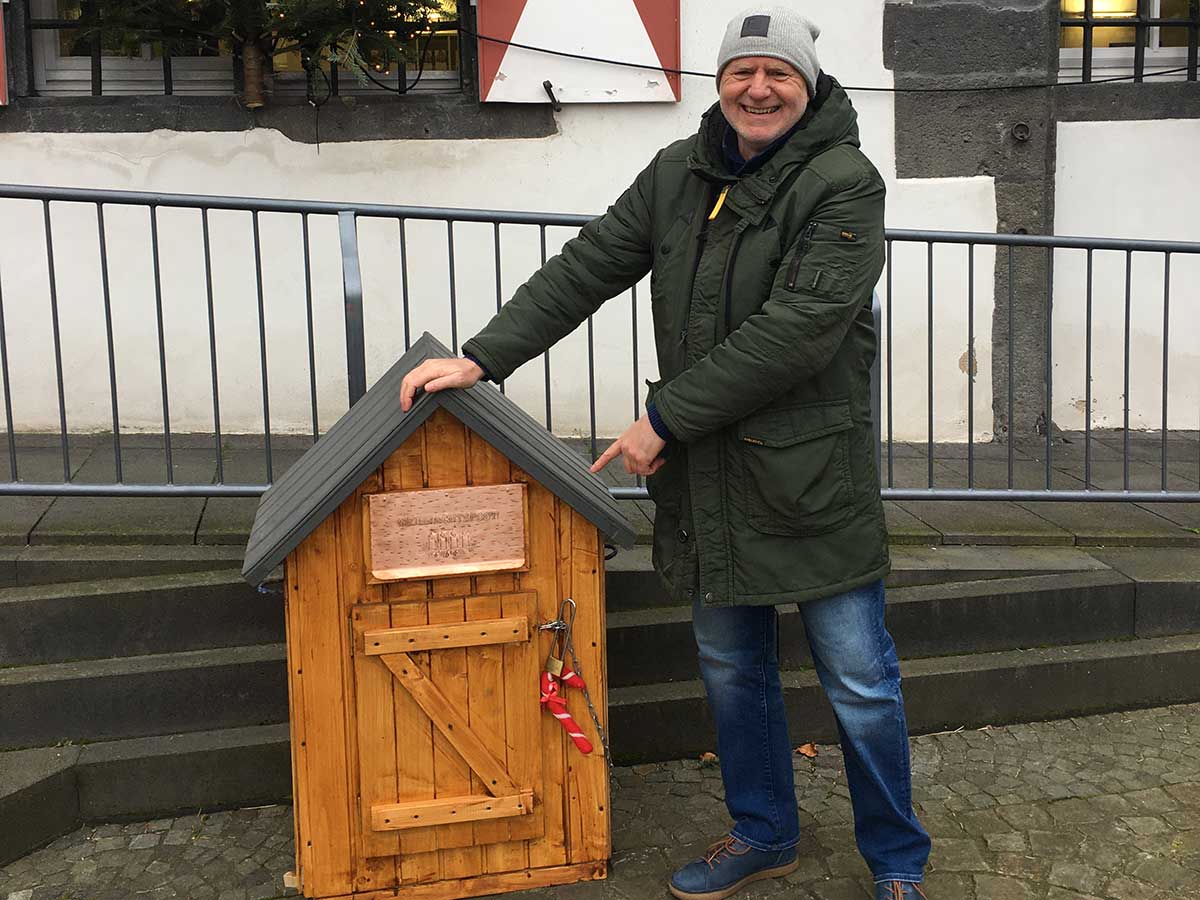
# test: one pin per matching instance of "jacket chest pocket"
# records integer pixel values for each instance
(797, 464)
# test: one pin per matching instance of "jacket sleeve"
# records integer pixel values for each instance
(819, 289)
(610, 254)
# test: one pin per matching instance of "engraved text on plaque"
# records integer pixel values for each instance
(456, 531)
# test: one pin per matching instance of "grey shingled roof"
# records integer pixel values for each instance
(364, 437)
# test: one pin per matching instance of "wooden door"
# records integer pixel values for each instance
(461, 698)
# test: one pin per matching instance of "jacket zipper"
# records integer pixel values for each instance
(701, 240)
(728, 290)
(794, 268)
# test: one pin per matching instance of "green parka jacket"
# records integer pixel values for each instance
(765, 339)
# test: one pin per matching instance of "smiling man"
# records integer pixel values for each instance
(764, 236)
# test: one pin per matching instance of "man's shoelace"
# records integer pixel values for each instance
(896, 890)
(728, 845)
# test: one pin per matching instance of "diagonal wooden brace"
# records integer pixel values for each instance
(451, 723)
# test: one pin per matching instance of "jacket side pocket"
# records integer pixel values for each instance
(797, 464)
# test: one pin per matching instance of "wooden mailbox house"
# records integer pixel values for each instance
(421, 552)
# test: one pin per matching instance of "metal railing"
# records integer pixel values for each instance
(348, 217)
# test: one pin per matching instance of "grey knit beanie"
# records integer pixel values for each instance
(775, 31)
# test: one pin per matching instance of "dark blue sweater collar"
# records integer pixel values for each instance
(739, 165)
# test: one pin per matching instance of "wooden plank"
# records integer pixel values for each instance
(451, 722)
(590, 835)
(300, 797)
(419, 859)
(501, 853)
(450, 810)
(371, 742)
(491, 884)
(474, 633)
(377, 775)
(523, 716)
(485, 700)
(324, 634)
(445, 464)
(550, 848)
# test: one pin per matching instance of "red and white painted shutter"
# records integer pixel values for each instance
(636, 31)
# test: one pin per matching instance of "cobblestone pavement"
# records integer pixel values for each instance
(1096, 807)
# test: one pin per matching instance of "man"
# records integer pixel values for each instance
(764, 236)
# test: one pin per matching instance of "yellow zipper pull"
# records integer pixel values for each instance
(720, 202)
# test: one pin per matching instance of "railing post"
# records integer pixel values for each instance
(356, 354)
(876, 389)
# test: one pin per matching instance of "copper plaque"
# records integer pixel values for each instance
(423, 534)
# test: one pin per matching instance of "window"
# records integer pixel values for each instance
(1106, 38)
(68, 62)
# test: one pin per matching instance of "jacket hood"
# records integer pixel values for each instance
(829, 120)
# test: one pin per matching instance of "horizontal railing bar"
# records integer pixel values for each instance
(258, 204)
(1025, 496)
(1022, 496)
(1066, 242)
(59, 489)
(516, 217)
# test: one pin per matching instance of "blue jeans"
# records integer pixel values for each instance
(856, 662)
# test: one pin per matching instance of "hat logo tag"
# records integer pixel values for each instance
(755, 26)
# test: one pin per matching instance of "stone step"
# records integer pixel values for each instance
(140, 696)
(942, 693)
(53, 790)
(632, 584)
(54, 693)
(151, 614)
(656, 645)
(55, 563)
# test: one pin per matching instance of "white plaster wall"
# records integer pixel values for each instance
(598, 150)
(1127, 179)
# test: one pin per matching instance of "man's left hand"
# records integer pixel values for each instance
(639, 447)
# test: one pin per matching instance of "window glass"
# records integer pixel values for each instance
(1102, 36)
(1174, 35)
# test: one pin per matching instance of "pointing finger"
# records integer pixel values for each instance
(606, 457)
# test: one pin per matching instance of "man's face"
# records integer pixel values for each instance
(761, 98)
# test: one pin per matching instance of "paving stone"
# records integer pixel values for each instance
(1075, 876)
(958, 855)
(1054, 844)
(1002, 887)
(1146, 825)
(1006, 842)
(1163, 873)
(1128, 889)
(838, 889)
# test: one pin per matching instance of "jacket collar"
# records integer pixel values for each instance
(829, 121)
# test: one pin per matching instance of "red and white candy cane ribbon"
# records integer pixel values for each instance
(553, 700)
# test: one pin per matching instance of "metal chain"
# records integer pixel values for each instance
(591, 707)
(560, 625)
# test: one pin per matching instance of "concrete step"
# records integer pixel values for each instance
(648, 646)
(941, 693)
(53, 790)
(139, 696)
(49, 564)
(59, 691)
(632, 584)
(150, 614)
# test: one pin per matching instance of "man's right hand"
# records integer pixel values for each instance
(435, 374)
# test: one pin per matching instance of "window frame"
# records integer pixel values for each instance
(55, 75)
(1115, 62)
